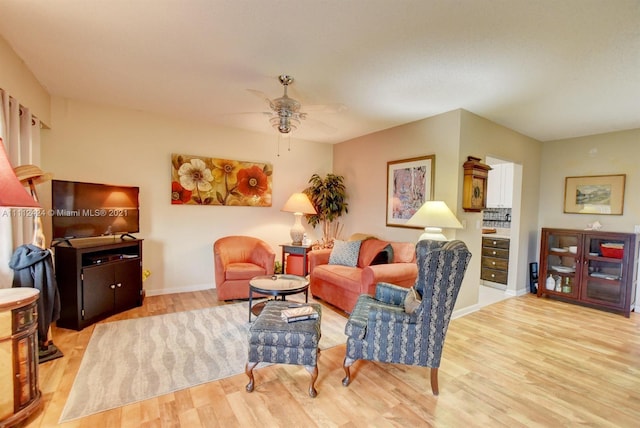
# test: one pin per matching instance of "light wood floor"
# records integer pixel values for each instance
(521, 362)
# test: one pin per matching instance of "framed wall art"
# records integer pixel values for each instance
(409, 184)
(595, 194)
(198, 180)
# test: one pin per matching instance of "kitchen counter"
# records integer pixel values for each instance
(500, 233)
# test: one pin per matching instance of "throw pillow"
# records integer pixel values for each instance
(368, 251)
(412, 300)
(384, 257)
(345, 253)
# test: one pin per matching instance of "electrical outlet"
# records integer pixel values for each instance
(636, 228)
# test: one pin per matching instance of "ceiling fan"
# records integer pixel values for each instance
(285, 114)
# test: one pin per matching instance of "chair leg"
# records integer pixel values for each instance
(313, 370)
(434, 380)
(347, 363)
(249, 371)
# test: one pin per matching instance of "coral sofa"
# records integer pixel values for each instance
(378, 261)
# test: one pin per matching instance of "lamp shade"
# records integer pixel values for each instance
(434, 216)
(12, 192)
(299, 203)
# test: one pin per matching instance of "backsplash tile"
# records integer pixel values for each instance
(497, 217)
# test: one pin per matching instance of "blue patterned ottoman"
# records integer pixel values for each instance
(274, 340)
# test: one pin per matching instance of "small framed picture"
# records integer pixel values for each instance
(409, 185)
(595, 194)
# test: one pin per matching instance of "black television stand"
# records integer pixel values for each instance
(97, 280)
(58, 241)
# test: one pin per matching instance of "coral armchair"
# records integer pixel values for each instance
(396, 326)
(238, 259)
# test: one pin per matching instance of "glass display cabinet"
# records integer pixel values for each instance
(598, 269)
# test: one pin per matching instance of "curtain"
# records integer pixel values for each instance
(20, 132)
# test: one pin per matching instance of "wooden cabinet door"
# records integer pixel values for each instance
(97, 290)
(128, 276)
(500, 186)
(494, 187)
(563, 265)
(605, 276)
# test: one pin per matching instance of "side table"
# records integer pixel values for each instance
(20, 395)
(277, 286)
(299, 250)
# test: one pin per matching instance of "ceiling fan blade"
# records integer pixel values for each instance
(255, 113)
(261, 95)
(324, 108)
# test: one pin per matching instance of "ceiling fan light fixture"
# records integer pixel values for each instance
(284, 123)
(286, 110)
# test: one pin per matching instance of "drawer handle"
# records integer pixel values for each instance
(494, 242)
(494, 253)
(493, 275)
(112, 286)
(493, 263)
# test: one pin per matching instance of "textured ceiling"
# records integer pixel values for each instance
(549, 69)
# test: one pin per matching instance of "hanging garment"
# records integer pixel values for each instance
(33, 267)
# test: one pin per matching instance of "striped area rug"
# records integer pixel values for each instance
(137, 359)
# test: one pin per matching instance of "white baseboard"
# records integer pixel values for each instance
(195, 287)
(465, 311)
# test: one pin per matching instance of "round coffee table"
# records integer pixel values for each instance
(277, 286)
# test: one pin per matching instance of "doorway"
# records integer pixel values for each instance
(501, 219)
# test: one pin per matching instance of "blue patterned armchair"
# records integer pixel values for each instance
(385, 328)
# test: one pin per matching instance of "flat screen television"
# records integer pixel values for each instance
(84, 210)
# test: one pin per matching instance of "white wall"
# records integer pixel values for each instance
(451, 137)
(18, 81)
(481, 137)
(102, 144)
(363, 162)
(603, 154)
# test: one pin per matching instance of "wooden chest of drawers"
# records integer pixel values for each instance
(495, 260)
(19, 392)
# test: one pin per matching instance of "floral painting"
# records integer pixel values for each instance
(197, 180)
(409, 185)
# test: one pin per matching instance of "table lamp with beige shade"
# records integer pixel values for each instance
(298, 204)
(434, 216)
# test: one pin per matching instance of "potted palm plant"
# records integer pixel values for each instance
(328, 196)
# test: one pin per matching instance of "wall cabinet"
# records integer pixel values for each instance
(495, 260)
(474, 185)
(500, 186)
(597, 269)
(97, 280)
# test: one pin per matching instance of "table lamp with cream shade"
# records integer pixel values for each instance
(298, 204)
(434, 216)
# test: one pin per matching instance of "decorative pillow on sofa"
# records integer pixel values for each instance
(345, 253)
(369, 250)
(383, 257)
(412, 300)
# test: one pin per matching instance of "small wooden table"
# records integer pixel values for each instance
(299, 250)
(277, 286)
